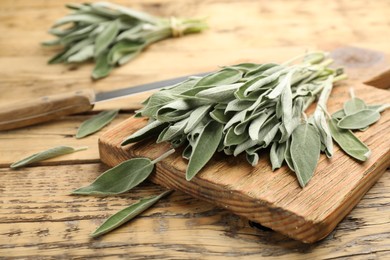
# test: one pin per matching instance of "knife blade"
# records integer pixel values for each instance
(55, 106)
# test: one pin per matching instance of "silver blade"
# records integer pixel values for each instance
(119, 93)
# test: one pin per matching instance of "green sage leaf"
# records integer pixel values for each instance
(222, 77)
(50, 153)
(354, 105)
(96, 123)
(277, 154)
(252, 158)
(147, 131)
(305, 151)
(204, 148)
(102, 68)
(359, 120)
(339, 114)
(195, 117)
(80, 18)
(106, 37)
(119, 179)
(82, 55)
(127, 214)
(348, 141)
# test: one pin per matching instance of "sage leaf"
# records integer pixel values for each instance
(287, 155)
(277, 154)
(284, 83)
(81, 18)
(305, 151)
(122, 48)
(257, 124)
(148, 130)
(82, 55)
(41, 156)
(219, 116)
(354, 105)
(222, 77)
(106, 37)
(102, 67)
(96, 123)
(348, 141)
(204, 148)
(219, 94)
(195, 117)
(359, 120)
(252, 158)
(174, 130)
(127, 214)
(231, 138)
(339, 114)
(119, 179)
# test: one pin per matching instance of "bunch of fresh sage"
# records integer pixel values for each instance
(111, 34)
(246, 108)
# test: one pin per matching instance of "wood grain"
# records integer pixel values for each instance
(275, 199)
(53, 225)
(19, 143)
(38, 219)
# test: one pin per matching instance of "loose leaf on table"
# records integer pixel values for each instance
(354, 104)
(204, 148)
(339, 114)
(305, 151)
(122, 177)
(359, 120)
(96, 123)
(50, 153)
(119, 179)
(348, 141)
(127, 214)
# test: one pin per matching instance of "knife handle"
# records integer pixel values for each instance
(45, 108)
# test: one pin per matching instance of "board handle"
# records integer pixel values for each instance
(45, 108)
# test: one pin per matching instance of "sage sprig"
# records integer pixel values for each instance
(127, 214)
(112, 34)
(246, 108)
(355, 115)
(47, 154)
(96, 123)
(122, 177)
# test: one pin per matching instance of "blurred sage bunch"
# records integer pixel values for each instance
(112, 35)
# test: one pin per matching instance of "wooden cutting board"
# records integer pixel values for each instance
(275, 199)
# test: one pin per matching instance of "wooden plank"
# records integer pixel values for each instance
(19, 143)
(275, 199)
(38, 219)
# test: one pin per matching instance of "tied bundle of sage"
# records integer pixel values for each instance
(111, 34)
(246, 108)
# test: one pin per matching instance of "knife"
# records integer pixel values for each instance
(52, 107)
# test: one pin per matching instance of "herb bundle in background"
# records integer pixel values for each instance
(111, 34)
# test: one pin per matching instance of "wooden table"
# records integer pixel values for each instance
(38, 218)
